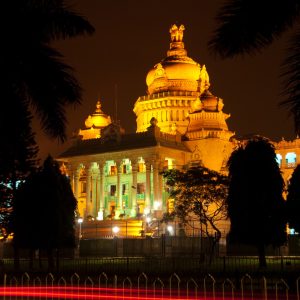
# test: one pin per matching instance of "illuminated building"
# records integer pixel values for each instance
(94, 124)
(179, 123)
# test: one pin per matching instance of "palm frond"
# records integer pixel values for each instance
(51, 86)
(291, 80)
(58, 21)
(247, 26)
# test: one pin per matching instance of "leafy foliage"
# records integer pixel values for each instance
(17, 155)
(32, 72)
(255, 203)
(198, 192)
(248, 26)
(33, 79)
(44, 210)
(293, 200)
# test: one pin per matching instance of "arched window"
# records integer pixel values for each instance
(141, 165)
(290, 159)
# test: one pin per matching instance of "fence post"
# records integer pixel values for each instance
(265, 290)
(174, 275)
(115, 285)
(50, 278)
(127, 279)
(246, 276)
(146, 284)
(205, 286)
(195, 288)
(63, 284)
(158, 280)
(231, 285)
(75, 275)
(4, 284)
(286, 287)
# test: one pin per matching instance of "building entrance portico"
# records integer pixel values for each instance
(122, 186)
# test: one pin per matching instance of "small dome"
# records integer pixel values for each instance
(177, 71)
(98, 119)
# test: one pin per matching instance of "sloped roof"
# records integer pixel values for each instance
(126, 142)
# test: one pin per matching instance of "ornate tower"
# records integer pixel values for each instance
(174, 85)
(95, 123)
(178, 97)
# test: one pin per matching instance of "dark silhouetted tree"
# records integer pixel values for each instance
(198, 193)
(293, 200)
(44, 211)
(33, 80)
(32, 72)
(18, 155)
(249, 26)
(255, 202)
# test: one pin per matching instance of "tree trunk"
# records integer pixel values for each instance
(215, 241)
(262, 256)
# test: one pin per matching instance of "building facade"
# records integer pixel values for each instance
(180, 123)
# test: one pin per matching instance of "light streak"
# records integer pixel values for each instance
(90, 293)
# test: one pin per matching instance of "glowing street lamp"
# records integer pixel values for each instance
(146, 211)
(115, 230)
(157, 205)
(170, 230)
(79, 221)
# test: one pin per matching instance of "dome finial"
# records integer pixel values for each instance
(176, 33)
(176, 45)
(98, 106)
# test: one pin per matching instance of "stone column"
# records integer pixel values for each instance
(148, 184)
(101, 190)
(119, 187)
(94, 195)
(134, 168)
(162, 204)
(98, 194)
(155, 181)
(283, 162)
(88, 190)
(160, 181)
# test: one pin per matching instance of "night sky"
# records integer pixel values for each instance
(132, 36)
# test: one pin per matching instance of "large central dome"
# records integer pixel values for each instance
(177, 71)
(178, 96)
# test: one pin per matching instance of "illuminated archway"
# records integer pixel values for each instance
(279, 159)
(290, 158)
